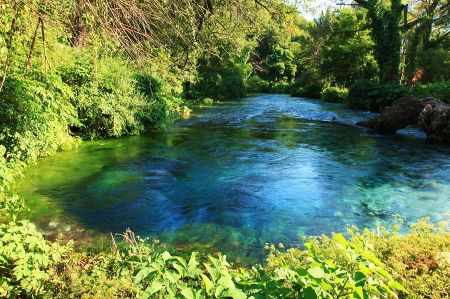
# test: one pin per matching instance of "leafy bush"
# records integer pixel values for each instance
(140, 269)
(35, 117)
(372, 96)
(25, 259)
(256, 84)
(359, 275)
(334, 94)
(279, 87)
(440, 90)
(108, 102)
(365, 94)
(308, 91)
(220, 78)
(207, 102)
(372, 263)
(415, 259)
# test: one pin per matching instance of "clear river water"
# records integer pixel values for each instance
(239, 174)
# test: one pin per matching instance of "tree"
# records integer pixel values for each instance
(384, 20)
(345, 40)
(426, 31)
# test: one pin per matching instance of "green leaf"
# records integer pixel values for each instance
(208, 284)
(301, 272)
(166, 256)
(187, 292)
(372, 258)
(317, 273)
(310, 293)
(156, 286)
(359, 292)
(359, 278)
(340, 239)
(141, 275)
(397, 286)
(172, 276)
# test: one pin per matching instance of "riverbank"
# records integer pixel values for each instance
(381, 263)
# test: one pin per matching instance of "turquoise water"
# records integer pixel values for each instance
(241, 173)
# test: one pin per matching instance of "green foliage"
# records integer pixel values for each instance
(308, 91)
(378, 263)
(359, 274)
(25, 258)
(256, 84)
(274, 56)
(327, 268)
(334, 94)
(365, 94)
(107, 99)
(207, 102)
(35, 117)
(420, 258)
(440, 90)
(221, 78)
(348, 53)
(369, 95)
(415, 259)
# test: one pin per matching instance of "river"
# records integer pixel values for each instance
(242, 173)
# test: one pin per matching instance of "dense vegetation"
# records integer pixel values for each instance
(81, 69)
(371, 264)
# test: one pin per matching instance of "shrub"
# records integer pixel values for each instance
(358, 94)
(35, 117)
(308, 91)
(256, 84)
(207, 102)
(279, 87)
(220, 78)
(440, 90)
(108, 102)
(365, 94)
(140, 269)
(368, 264)
(334, 94)
(415, 259)
(25, 258)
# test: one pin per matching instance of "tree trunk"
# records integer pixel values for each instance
(386, 34)
(78, 28)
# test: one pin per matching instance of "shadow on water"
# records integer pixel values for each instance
(265, 169)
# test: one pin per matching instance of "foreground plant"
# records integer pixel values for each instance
(32, 266)
(25, 259)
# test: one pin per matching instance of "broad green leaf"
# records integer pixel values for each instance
(372, 258)
(208, 284)
(141, 275)
(316, 272)
(172, 276)
(359, 278)
(155, 287)
(309, 293)
(187, 292)
(166, 256)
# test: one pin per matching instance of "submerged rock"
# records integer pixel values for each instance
(430, 114)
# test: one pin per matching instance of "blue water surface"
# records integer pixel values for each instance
(242, 173)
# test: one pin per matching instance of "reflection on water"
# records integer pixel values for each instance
(264, 169)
